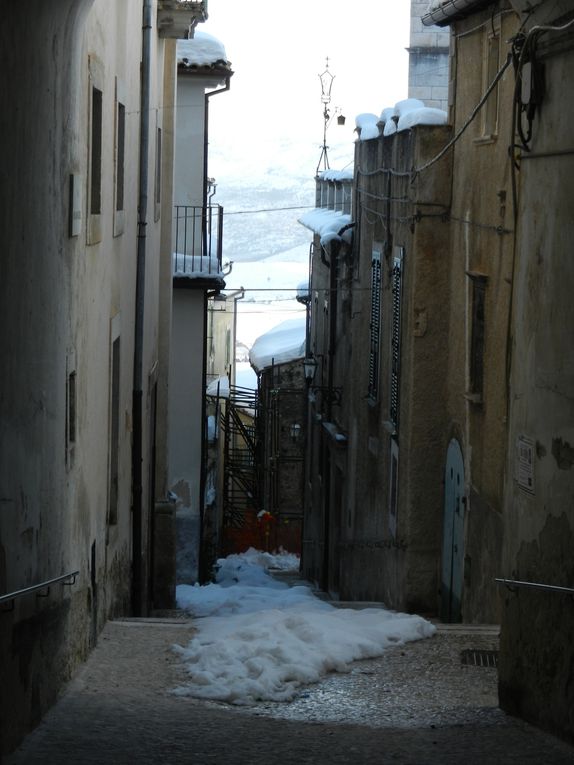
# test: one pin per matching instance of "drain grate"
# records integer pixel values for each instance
(475, 658)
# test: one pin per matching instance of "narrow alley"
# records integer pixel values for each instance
(424, 702)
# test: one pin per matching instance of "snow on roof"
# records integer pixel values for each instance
(283, 343)
(201, 50)
(366, 126)
(336, 175)
(424, 116)
(403, 115)
(303, 290)
(407, 105)
(387, 114)
(325, 223)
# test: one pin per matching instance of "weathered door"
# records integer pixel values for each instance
(453, 535)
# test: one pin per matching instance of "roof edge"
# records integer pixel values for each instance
(452, 10)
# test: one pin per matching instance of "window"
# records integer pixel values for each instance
(157, 193)
(71, 404)
(396, 290)
(96, 154)
(114, 438)
(393, 487)
(375, 325)
(491, 58)
(119, 160)
(95, 143)
(476, 356)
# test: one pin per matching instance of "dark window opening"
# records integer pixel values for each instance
(114, 433)
(96, 154)
(120, 156)
(158, 168)
(476, 372)
(396, 289)
(375, 326)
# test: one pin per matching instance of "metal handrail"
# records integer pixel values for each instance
(42, 586)
(511, 583)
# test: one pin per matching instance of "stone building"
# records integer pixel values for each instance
(86, 174)
(378, 290)
(277, 357)
(519, 420)
(429, 48)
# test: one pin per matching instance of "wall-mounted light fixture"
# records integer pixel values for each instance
(309, 368)
(295, 431)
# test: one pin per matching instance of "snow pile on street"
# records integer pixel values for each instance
(202, 50)
(281, 344)
(259, 639)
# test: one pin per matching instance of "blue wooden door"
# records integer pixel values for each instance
(453, 535)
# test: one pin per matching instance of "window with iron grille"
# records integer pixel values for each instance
(396, 292)
(375, 325)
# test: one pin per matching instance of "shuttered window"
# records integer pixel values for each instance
(375, 325)
(476, 359)
(396, 292)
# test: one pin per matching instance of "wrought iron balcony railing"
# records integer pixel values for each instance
(198, 238)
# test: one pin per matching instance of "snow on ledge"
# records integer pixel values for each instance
(424, 116)
(325, 223)
(403, 115)
(202, 50)
(283, 343)
(336, 175)
(196, 267)
(367, 126)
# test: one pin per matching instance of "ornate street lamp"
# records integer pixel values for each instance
(326, 80)
(309, 369)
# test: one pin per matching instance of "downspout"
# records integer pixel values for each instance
(203, 575)
(205, 153)
(137, 397)
(333, 265)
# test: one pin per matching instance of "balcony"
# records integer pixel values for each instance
(198, 238)
(176, 19)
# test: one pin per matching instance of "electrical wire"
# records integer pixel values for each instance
(268, 209)
(468, 122)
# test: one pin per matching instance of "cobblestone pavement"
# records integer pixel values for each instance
(417, 704)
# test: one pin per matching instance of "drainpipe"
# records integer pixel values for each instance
(205, 153)
(203, 575)
(137, 397)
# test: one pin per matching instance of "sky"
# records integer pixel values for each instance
(265, 133)
(259, 639)
(277, 51)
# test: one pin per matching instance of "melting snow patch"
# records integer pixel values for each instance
(259, 639)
